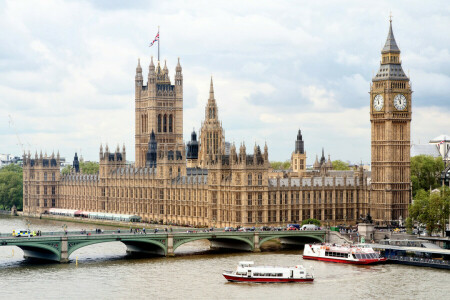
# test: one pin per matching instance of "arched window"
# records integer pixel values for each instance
(170, 123)
(259, 179)
(159, 123)
(165, 123)
(249, 179)
(146, 122)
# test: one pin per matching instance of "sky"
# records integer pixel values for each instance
(67, 70)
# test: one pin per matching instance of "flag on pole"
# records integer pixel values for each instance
(155, 40)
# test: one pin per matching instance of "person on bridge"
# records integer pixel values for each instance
(143, 230)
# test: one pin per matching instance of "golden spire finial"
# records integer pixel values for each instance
(390, 16)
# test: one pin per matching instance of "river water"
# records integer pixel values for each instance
(104, 271)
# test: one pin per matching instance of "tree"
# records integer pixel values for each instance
(279, 165)
(89, 167)
(340, 165)
(409, 225)
(431, 209)
(66, 170)
(425, 172)
(11, 187)
(311, 221)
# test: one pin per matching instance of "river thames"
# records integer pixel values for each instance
(104, 271)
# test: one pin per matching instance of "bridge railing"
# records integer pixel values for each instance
(174, 231)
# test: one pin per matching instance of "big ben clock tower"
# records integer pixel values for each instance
(390, 119)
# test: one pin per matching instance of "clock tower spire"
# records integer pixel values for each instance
(390, 119)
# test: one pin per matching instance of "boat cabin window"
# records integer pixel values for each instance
(335, 254)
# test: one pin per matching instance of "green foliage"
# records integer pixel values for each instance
(279, 165)
(340, 165)
(409, 225)
(425, 172)
(89, 167)
(11, 187)
(66, 170)
(431, 209)
(311, 221)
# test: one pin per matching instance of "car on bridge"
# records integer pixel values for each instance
(21, 233)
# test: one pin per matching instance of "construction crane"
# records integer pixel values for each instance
(11, 125)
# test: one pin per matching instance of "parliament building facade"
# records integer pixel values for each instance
(204, 183)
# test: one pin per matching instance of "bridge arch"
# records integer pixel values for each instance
(40, 250)
(246, 243)
(133, 245)
(306, 237)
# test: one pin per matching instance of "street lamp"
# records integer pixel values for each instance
(28, 223)
(64, 228)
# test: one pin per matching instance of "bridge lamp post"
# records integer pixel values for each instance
(28, 223)
(64, 227)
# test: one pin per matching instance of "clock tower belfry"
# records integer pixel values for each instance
(390, 119)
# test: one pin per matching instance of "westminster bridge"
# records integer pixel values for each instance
(58, 246)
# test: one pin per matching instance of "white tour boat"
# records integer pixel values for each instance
(349, 254)
(246, 272)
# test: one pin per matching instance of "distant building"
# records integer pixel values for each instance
(437, 147)
(8, 159)
(442, 144)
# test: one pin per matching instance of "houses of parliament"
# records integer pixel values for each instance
(205, 183)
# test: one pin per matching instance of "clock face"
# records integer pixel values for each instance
(400, 102)
(378, 102)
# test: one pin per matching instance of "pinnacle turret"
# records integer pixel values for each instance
(211, 90)
(178, 68)
(138, 76)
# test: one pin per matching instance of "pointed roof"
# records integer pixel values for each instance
(390, 70)
(178, 67)
(299, 135)
(152, 65)
(152, 136)
(211, 90)
(138, 68)
(391, 44)
(316, 163)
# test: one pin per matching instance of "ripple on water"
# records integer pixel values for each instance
(104, 271)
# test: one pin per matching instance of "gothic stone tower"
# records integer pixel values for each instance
(298, 157)
(158, 107)
(390, 118)
(211, 133)
(41, 177)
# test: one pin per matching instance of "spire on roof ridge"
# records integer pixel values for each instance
(211, 89)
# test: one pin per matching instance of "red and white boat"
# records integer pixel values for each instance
(347, 254)
(246, 272)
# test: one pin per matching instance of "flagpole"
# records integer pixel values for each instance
(158, 42)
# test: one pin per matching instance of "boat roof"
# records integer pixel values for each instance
(413, 249)
(246, 263)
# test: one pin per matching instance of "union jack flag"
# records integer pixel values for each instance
(155, 40)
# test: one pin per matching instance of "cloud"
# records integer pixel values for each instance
(320, 98)
(67, 70)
